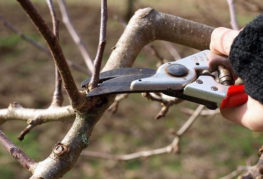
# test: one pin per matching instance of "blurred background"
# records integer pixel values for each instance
(212, 148)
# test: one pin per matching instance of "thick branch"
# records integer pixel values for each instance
(66, 153)
(148, 25)
(60, 61)
(17, 153)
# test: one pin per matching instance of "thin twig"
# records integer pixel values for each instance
(166, 102)
(55, 21)
(190, 121)
(17, 153)
(203, 113)
(236, 172)
(38, 45)
(206, 14)
(73, 33)
(173, 147)
(233, 16)
(23, 36)
(24, 132)
(252, 5)
(60, 61)
(102, 42)
(155, 53)
(172, 50)
(57, 99)
(115, 105)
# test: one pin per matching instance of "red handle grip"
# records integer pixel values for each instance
(236, 96)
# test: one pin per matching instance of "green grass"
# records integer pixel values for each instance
(30, 144)
(10, 41)
(174, 165)
(133, 164)
(6, 173)
(245, 19)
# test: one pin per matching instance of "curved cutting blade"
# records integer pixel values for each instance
(107, 75)
(118, 85)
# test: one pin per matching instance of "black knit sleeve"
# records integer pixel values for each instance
(246, 57)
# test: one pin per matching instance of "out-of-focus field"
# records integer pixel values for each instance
(212, 148)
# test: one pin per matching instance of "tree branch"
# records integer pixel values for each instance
(166, 102)
(67, 21)
(145, 26)
(76, 98)
(233, 17)
(166, 27)
(236, 172)
(35, 117)
(255, 171)
(66, 153)
(203, 113)
(252, 5)
(39, 116)
(38, 45)
(17, 153)
(23, 36)
(115, 105)
(102, 43)
(57, 99)
(148, 25)
(172, 50)
(173, 147)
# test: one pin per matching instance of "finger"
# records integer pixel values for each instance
(215, 60)
(222, 39)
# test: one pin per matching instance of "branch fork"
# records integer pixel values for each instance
(145, 26)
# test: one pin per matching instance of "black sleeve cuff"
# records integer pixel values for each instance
(246, 57)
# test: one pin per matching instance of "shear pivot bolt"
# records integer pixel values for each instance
(199, 81)
(214, 88)
(177, 70)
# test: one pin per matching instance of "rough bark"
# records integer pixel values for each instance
(17, 112)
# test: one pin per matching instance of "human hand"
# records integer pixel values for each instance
(220, 45)
(215, 60)
(222, 39)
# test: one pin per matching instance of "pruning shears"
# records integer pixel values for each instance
(187, 78)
